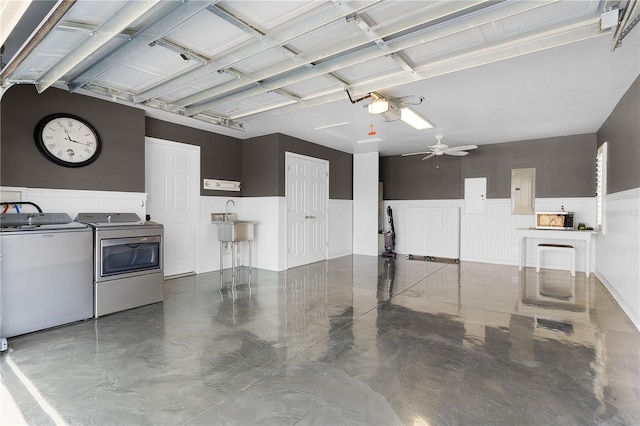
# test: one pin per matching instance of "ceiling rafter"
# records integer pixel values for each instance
(498, 50)
(127, 15)
(367, 26)
(173, 17)
(44, 29)
(412, 20)
(251, 60)
(279, 37)
(425, 35)
(251, 29)
(185, 52)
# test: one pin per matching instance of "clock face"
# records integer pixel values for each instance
(67, 140)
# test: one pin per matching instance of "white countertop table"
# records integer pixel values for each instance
(566, 235)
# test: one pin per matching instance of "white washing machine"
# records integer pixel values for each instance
(46, 272)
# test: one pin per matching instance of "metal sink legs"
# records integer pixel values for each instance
(235, 257)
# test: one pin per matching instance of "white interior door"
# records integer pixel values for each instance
(172, 176)
(296, 194)
(307, 194)
(318, 197)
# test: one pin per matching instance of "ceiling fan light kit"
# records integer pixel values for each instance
(378, 106)
(395, 110)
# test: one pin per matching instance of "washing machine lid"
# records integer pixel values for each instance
(109, 219)
(10, 222)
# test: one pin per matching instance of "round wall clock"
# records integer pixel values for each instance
(67, 140)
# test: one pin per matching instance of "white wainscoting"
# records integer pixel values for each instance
(435, 231)
(268, 251)
(340, 228)
(414, 220)
(270, 243)
(266, 246)
(73, 202)
(618, 260)
(490, 237)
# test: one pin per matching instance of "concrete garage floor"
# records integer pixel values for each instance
(354, 340)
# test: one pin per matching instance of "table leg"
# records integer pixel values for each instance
(221, 250)
(522, 260)
(587, 255)
(234, 260)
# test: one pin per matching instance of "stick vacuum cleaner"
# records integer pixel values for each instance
(390, 237)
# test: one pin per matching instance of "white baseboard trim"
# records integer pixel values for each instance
(633, 316)
(488, 261)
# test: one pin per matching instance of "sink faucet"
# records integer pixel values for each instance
(226, 209)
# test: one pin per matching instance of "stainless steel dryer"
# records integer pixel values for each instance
(46, 272)
(128, 256)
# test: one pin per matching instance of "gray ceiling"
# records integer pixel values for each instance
(482, 72)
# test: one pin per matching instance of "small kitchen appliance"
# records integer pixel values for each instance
(554, 220)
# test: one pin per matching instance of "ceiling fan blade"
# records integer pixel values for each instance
(462, 148)
(456, 153)
(416, 153)
(426, 157)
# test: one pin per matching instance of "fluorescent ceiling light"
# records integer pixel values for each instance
(378, 106)
(328, 126)
(415, 120)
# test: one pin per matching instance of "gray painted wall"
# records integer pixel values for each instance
(260, 165)
(120, 166)
(622, 132)
(220, 156)
(410, 178)
(565, 167)
(264, 164)
(340, 165)
(258, 162)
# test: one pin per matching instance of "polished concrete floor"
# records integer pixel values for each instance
(354, 340)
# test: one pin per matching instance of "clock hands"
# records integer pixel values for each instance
(81, 143)
(71, 140)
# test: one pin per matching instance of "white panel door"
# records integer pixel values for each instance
(317, 210)
(296, 194)
(172, 176)
(307, 194)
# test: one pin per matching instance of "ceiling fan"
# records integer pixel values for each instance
(440, 149)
